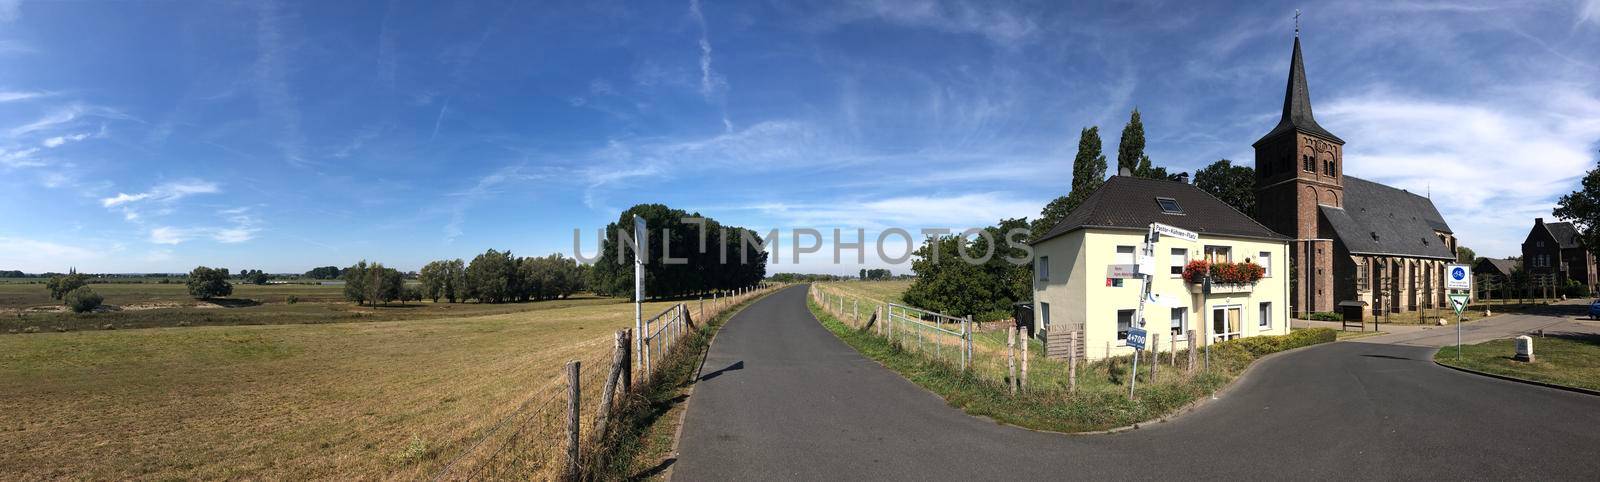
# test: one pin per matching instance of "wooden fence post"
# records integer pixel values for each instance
(1155, 355)
(1011, 358)
(1191, 350)
(1172, 351)
(627, 368)
(1023, 337)
(608, 393)
(1072, 361)
(573, 392)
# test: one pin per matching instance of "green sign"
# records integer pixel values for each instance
(1459, 302)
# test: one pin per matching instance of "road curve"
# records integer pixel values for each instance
(782, 399)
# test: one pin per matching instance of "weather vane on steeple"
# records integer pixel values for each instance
(1297, 22)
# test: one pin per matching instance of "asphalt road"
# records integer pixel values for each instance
(782, 399)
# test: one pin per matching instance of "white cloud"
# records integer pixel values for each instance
(1589, 11)
(39, 256)
(12, 95)
(710, 81)
(242, 227)
(999, 25)
(57, 141)
(168, 235)
(168, 192)
(20, 157)
(1490, 167)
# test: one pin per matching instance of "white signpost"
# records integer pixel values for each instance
(638, 285)
(1458, 277)
(1145, 266)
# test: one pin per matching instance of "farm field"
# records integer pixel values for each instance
(386, 399)
(144, 305)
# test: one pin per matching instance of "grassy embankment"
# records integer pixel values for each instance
(1572, 361)
(344, 400)
(1100, 401)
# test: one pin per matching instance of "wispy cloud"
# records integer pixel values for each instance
(10, 10)
(242, 226)
(1492, 164)
(996, 23)
(487, 186)
(16, 95)
(710, 80)
(39, 256)
(272, 85)
(168, 192)
(58, 141)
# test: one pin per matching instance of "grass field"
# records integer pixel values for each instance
(166, 305)
(387, 399)
(1572, 361)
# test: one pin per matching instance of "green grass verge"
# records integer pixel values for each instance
(647, 422)
(1572, 361)
(1099, 403)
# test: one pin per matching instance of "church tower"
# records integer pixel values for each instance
(1299, 168)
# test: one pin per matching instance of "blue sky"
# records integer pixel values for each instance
(155, 136)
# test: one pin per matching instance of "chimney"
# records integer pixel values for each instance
(1125, 172)
(1538, 221)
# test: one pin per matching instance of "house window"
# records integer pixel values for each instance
(1169, 205)
(1044, 315)
(1219, 254)
(1044, 268)
(1266, 262)
(1180, 323)
(1180, 258)
(1265, 317)
(1124, 324)
(1539, 244)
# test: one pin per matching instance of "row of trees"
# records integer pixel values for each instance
(876, 274)
(705, 255)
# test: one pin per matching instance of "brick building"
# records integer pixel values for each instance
(1556, 249)
(1356, 242)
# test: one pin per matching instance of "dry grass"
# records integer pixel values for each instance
(349, 400)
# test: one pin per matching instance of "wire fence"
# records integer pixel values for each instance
(532, 439)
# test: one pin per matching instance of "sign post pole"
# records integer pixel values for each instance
(638, 283)
(1136, 339)
(1459, 278)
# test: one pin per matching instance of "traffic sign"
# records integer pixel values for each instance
(1458, 277)
(1459, 302)
(1136, 338)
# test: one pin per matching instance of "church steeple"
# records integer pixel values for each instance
(1297, 103)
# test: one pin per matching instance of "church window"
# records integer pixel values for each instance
(1308, 164)
(1327, 167)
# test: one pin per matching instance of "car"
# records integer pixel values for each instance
(1594, 310)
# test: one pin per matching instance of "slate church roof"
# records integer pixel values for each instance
(1381, 220)
(1297, 104)
(1566, 235)
(1126, 202)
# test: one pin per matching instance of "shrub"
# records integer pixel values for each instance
(292, 299)
(1324, 316)
(1574, 289)
(61, 285)
(83, 300)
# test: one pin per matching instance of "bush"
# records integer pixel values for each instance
(292, 299)
(1324, 316)
(1574, 289)
(83, 300)
(61, 285)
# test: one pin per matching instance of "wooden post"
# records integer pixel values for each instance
(627, 368)
(1172, 352)
(1023, 337)
(608, 393)
(702, 300)
(1011, 358)
(1192, 341)
(1072, 361)
(1155, 355)
(573, 392)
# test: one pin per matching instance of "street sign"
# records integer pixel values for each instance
(1175, 232)
(1136, 338)
(1458, 277)
(1122, 271)
(1459, 302)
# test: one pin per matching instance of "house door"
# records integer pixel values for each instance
(1225, 322)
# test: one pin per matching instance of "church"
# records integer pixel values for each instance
(1359, 247)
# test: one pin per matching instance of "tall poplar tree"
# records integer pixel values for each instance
(1130, 149)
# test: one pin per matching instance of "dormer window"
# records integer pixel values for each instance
(1169, 205)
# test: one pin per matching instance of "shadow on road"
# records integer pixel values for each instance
(738, 365)
(1391, 357)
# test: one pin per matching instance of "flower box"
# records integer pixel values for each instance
(1207, 277)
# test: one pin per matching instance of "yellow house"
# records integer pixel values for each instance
(1084, 268)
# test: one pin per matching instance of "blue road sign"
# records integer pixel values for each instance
(1136, 338)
